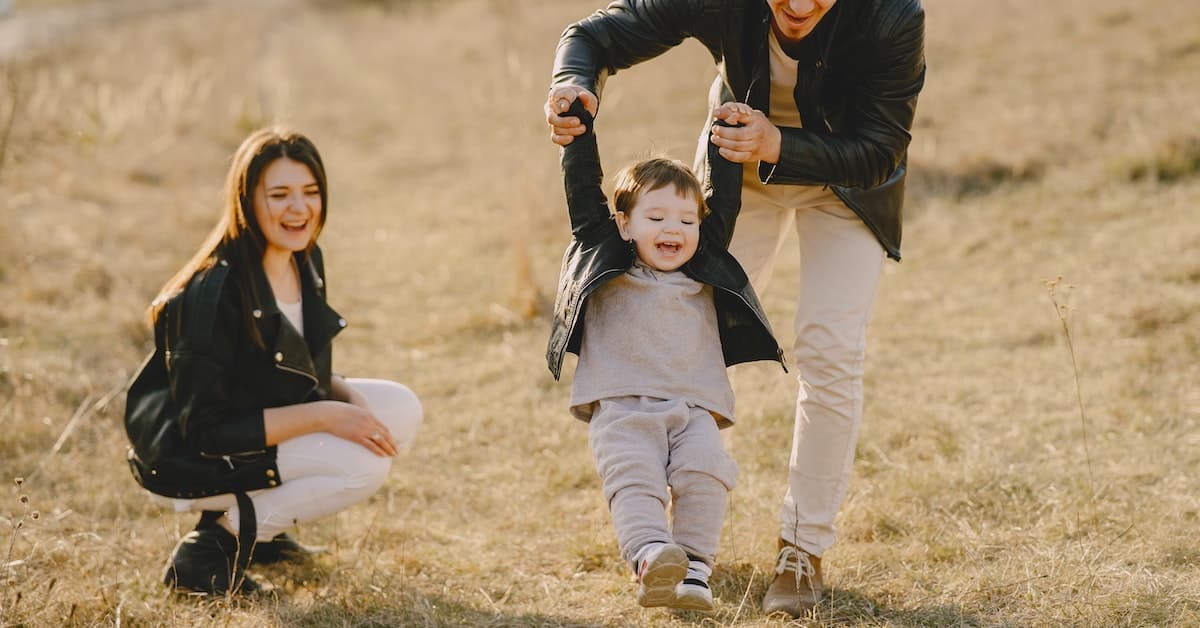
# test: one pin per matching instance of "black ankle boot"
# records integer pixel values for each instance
(282, 548)
(204, 561)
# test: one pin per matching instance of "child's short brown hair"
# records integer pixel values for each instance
(651, 174)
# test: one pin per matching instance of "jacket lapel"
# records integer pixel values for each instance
(292, 351)
(321, 322)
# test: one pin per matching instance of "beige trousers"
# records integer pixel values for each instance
(840, 263)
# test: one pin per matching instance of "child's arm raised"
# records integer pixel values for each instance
(723, 193)
(591, 220)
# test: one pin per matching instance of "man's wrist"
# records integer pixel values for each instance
(774, 146)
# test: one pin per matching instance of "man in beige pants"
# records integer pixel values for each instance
(824, 93)
(840, 263)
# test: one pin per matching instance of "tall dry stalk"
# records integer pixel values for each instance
(17, 524)
(14, 91)
(1063, 310)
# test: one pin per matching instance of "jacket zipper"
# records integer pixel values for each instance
(759, 71)
(228, 458)
(289, 369)
(863, 216)
(583, 292)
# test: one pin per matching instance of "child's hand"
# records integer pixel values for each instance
(734, 113)
(563, 130)
(754, 138)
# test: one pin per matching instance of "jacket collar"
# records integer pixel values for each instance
(321, 322)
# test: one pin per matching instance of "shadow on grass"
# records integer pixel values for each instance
(421, 610)
(412, 609)
(741, 587)
(846, 606)
(308, 594)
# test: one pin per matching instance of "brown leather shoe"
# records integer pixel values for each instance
(797, 587)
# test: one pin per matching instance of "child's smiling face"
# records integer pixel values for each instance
(664, 227)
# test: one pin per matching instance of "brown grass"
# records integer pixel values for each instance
(971, 503)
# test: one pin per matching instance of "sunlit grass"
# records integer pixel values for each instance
(1043, 147)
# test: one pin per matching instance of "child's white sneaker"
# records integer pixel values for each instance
(693, 593)
(660, 567)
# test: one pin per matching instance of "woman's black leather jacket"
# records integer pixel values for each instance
(597, 254)
(858, 78)
(194, 413)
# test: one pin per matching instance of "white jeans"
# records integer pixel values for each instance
(320, 473)
(840, 263)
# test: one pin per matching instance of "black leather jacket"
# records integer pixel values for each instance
(597, 254)
(194, 413)
(859, 75)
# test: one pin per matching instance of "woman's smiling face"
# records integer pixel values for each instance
(287, 205)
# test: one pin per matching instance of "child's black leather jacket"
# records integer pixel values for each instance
(597, 254)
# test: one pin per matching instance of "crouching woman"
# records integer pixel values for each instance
(236, 414)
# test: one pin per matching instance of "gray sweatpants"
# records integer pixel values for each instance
(650, 452)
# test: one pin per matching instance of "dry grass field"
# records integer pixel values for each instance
(1005, 477)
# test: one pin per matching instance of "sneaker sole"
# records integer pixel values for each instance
(661, 577)
(693, 602)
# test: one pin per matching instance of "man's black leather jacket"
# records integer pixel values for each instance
(597, 254)
(859, 75)
(194, 413)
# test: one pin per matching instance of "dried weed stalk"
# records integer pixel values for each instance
(14, 96)
(1060, 296)
(17, 524)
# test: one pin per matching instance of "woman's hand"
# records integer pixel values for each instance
(358, 425)
(756, 140)
(351, 420)
(564, 130)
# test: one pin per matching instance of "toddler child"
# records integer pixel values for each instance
(667, 310)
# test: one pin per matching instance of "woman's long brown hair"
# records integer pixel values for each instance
(237, 235)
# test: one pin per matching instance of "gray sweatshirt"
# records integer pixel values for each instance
(652, 334)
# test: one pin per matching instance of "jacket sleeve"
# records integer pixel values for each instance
(874, 134)
(202, 373)
(591, 220)
(624, 34)
(722, 194)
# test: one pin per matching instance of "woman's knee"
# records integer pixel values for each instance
(395, 405)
